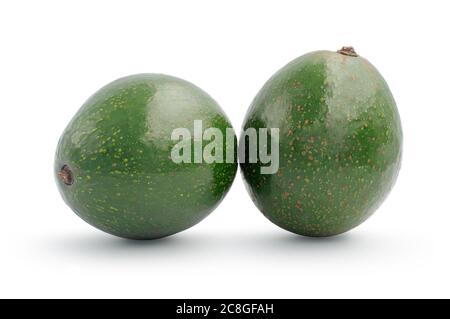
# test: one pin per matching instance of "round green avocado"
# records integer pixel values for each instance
(340, 143)
(114, 164)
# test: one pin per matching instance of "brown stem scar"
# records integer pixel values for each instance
(347, 51)
(66, 175)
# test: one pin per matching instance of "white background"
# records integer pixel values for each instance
(55, 54)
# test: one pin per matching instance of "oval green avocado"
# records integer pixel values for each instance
(114, 164)
(340, 143)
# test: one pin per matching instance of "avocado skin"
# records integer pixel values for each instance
(340, 144)
(118, 147)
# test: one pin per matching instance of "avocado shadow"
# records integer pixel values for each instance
(205, 245)
(285, 242)
(291, 239)
(100, 245)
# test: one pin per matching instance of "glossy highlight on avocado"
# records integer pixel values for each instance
(340, 143)
(113, 162)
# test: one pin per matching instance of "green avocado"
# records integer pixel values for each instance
(340, 143)
(114, 165)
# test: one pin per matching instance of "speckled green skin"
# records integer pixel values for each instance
(340, 144)
(118, 147)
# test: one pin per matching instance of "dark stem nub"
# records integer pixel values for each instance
(66, 175)
(347, 51)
